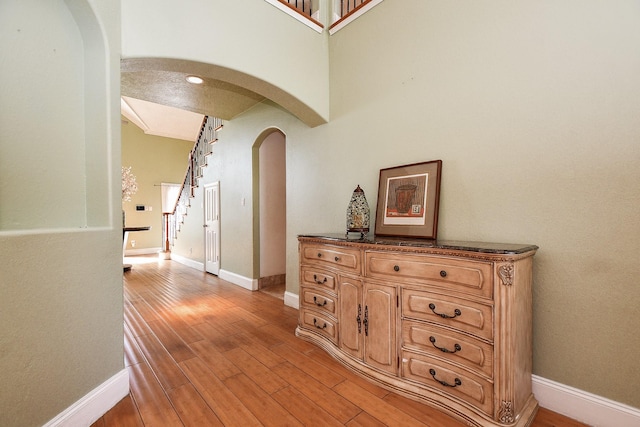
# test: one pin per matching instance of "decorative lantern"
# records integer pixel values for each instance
(358, 213)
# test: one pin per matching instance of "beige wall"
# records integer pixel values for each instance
(153, 160)
(533, 108)
(60, 236)
(261, 59)
(29, 141)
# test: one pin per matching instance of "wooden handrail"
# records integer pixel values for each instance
(345, 6)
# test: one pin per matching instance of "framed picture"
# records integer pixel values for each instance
(408, 200)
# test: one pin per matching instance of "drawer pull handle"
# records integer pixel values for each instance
(315, 300)
(366, 321)
(396, 268)
(315, 323)
(337, 259)
(456, 312)
(359, 319)
(319, 282)
(456, 381)
(319, 255)
(456, 346)
(443, 273)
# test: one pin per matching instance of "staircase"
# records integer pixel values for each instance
(197, 162)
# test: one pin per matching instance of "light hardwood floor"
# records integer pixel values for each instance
(203, 352)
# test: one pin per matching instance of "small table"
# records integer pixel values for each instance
(125, 238)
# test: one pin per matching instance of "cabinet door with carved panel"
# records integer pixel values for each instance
(351, 315)
(367, 323)
(379, 326)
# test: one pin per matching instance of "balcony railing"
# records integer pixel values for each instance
(306, 11)
(350, 6)
(342, 10)
(309, 10)
(304, 7)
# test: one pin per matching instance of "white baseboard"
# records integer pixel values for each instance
(292, 300)
(236, 279)
(142, 251)
(95, 404)
(582, 406)
(187, 261)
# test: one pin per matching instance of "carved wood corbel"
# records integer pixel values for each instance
(506, 412)
(505, 271)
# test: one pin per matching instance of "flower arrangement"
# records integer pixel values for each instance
(129, 185)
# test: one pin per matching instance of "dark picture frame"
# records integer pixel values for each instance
(408, 200)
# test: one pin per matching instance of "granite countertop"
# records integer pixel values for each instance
(483, 247)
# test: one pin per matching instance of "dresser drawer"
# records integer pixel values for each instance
(318, 278)
(467, 316)
(474, 354)
(314, 298)
(449, 379)
(334, 256)
(319, 323)
(466, 276)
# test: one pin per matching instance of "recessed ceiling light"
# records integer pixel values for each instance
(195, 80)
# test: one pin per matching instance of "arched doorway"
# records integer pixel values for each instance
(270, 212)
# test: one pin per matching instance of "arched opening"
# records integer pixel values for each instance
(270, 212)
(224, 93)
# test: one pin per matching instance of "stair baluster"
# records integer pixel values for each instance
(195, 169)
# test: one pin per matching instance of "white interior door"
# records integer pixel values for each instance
(212, 227)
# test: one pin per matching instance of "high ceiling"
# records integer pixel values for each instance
(161, 120)
(163, 103)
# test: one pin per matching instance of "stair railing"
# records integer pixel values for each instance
(197, 161)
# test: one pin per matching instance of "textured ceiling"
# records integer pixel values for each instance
(213, 97)
(225, 92)
(163, 103)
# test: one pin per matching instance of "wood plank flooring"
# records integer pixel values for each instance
(203, 352)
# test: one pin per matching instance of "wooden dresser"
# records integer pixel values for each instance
(445, 323)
